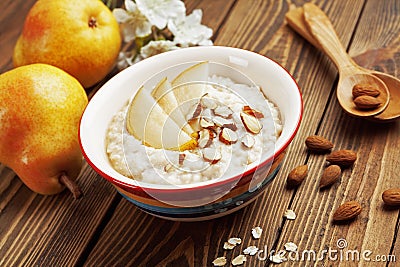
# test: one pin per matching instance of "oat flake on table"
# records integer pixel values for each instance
(220, 261)
(289, 214)
(276, 258)
(251, 250)
(228, 245)
(256, 232)
(290, 246)
(239, 260)
(234, 241)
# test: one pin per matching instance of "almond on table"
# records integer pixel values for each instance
(297, 175)
(330, 175)
(318, 143)
(343, 158)
(391, 197)
(346, 211)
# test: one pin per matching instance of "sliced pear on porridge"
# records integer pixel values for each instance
(149, 123)
(165, 98)
(189, 85)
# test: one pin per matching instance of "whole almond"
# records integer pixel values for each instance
(330, 175)
(297, 175)
(342, 158)
(347, 211)
(367, 102)
(364, 89)
(318, 143)
(391, 197)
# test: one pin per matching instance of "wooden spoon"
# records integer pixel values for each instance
(350, 73)
(295, 19)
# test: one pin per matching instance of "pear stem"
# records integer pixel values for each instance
(71, 185)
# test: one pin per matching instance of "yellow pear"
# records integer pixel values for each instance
(79, 36)
(40, 111)
(148, 122)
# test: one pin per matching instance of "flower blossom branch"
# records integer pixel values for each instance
(150, 27)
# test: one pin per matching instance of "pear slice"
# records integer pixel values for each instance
(165, 98)
(189, 85)
(148, 122)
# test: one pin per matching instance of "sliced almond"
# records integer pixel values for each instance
(220, 122)
(223, 111)
(252, 124)
(206, 137)
(227, 136)
(168, 167)
(194, 123)
(198, 108)
(255, 113)
(207, 113)
(212, 155)
(181, 158)
(206, 123)
(248, 140)
(208, 102)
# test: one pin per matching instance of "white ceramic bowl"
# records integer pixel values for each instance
(276, 83)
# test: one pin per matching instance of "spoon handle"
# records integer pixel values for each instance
(323, 31)
(295, 19)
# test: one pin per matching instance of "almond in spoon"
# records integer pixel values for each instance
(367, 102)
(364, 89)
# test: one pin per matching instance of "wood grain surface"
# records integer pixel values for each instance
(103, 229)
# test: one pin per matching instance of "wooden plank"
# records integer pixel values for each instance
(52, 230)
(375, 170)
(264, 31)
(10, 28)
(37, 229)
(57, 230)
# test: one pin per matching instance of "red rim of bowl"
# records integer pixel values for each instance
(129, 187)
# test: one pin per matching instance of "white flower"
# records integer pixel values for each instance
(157, 47)
(126, 59)
(190, 31)
(159, 12)
(133, 22)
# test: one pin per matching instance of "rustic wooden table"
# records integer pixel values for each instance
(103, 229)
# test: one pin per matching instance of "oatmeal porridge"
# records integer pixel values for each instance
(234, 127)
